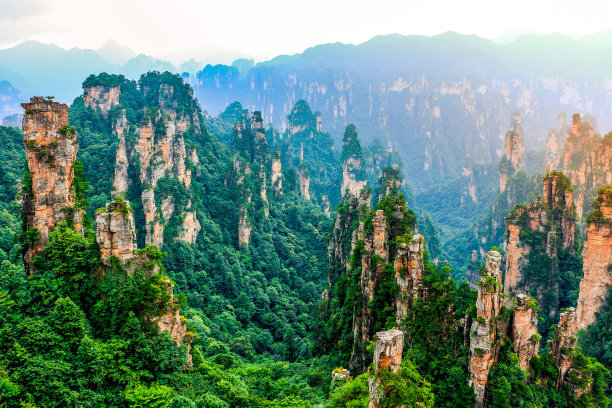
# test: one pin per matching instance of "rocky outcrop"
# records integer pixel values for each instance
(244, 229)
(191, 228)
(409, 268)
(597, 260)
(555, 143)
(388, 349)
(101, 98)
(304, 182)
(558, 194)
(353, 167)
(277, 173)
(249, 139)
(346, 231)
(534, 217)
(587, 161)
(512, 161)
(390, 183)
(116, 232)
(51, 149)
(174, 324)
(121, 181)
(375, 256)
(326, 205)
(352, 179)
(524, 330)
(564, 342)
(547, 221)
(161, 151)
(484, 350)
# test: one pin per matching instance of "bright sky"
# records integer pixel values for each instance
(266, 28)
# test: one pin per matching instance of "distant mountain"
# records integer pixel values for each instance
(115, 53)
(9, 99)
(46, 69)
(440, 101)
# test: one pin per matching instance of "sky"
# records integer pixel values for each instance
(266, 28)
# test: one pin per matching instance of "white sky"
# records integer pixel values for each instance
(266, 28)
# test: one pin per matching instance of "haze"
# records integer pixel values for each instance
(263, 29)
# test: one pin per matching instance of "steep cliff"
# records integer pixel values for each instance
(587, 161)
(116, 232)
(524, 330)
(513, 159)
(409, 269)
(388, 258)
(149, 121)
(555, 143)
(564, 342)
(542, 258)
(353, 168)
(388, 348)
(277, 173)
(101, 98)
(51, 149)
(597, 260)
(304, 182)
(486, 328)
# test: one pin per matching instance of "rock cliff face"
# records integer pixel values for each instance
(391, 254)
(277, 173)
(537, 232)
(388, 349)
(564, 342)
(116, 237)
(116, 232)
(101, 98)
(160, 155)
(484, 350)
(597, 258)
(304, 181)
(353, 167)
(51, 149)
(409, 268)
(555, 143)
(347, 230)
(513, 159)
(121, 181)
(157, 151)
(524, 330)
(587, 161)
(375, 256)
(244, 230)
(249, 139)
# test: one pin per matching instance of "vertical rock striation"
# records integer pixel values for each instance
(564, 342)
(277, 173)
(388, 349)
(101, 98)
(586, 160)
(535, 233)
(484, 349)
(409, 266)
(116, 232)
(512, 161)
(51, 149)
(304, 182)
(524, 330)
(555, 142)
(597, 260)
(353, 167)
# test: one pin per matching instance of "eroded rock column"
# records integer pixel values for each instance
(388, 349)
(483, 348)
(51, 149)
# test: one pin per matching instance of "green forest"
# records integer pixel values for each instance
(270, 320)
